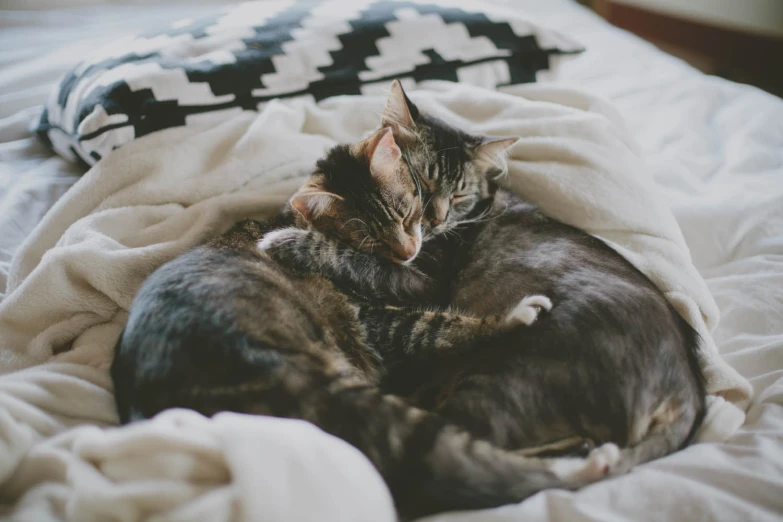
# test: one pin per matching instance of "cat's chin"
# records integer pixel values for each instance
(400, 261)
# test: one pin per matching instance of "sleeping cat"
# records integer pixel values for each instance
(223, 327)
(612, 361)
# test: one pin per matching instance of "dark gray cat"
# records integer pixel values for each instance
(611, 361)
(223, 327)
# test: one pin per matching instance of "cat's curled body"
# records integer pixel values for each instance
(612, 360)
(225, 328)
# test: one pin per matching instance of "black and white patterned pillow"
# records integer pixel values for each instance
(203, 71)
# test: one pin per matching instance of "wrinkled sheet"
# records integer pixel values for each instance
(716, 149)
(71, 283)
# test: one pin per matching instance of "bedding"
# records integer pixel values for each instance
(714, 148)
(193, 71)
(156, 196)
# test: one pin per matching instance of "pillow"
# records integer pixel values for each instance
(203, 71)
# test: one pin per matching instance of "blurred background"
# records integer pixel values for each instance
(741, 40)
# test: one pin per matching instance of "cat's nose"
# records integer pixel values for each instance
(404, 252)
(440, 211)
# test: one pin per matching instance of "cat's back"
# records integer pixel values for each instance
(219, 289)
(219, 314)
(611, 333)
(529, 253)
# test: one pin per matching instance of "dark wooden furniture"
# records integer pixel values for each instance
(746, 56)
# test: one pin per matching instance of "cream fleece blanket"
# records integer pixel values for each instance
(76, 275)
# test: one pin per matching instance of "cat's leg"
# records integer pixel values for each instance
(529, 308)
(365, 275)
(599, 463)
(431, 466)
(660, 432)
(403, 335)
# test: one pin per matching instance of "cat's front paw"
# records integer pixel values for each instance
(528, 310)
(602, 461)
(277, 238)
(599, 463)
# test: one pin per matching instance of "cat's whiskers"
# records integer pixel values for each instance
(355, 219)
(365, 228)
(481, 218)
(447, 148)
(450, 229)
(426, 255)
(427, 203)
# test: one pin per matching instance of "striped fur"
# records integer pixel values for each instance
(611, 362)
(223, 327)
(612, 353)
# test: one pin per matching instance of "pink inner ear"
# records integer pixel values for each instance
(396, 111)
(312, 200)
(388, 147)
(496, 146)
(385, 157)
(299, 203)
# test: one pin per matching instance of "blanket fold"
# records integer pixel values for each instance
(73, 280)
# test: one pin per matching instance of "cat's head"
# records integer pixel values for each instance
(454, 168)
(364, 195)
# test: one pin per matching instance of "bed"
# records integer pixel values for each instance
(717, 153)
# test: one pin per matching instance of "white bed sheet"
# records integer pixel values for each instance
(718, 147)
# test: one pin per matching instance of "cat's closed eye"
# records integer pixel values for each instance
(458, 198)
(376, 210)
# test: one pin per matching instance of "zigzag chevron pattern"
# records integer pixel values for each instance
(247, 54)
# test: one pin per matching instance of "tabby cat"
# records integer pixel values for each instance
(612, 361)
(223, 327)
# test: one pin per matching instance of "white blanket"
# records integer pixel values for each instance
(78, 272)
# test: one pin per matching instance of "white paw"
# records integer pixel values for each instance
(279, 237)
(602, 461)
(598, 464)
(528, 309)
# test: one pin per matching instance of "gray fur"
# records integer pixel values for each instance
(611, 362)
(223, 327)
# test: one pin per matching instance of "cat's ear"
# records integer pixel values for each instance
(399, 111)
(313, 199)
(384, 155)
(491, 153)
(493, 146)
